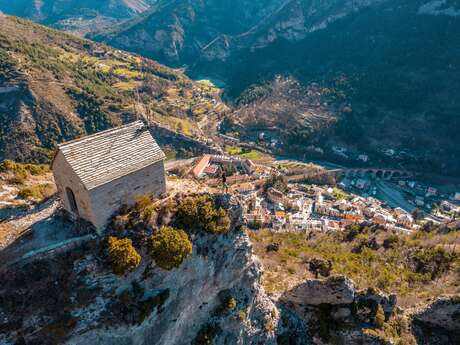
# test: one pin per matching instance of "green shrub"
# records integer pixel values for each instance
(20, 171)
(339, 194)
(123, 255)
(435, 261)
(142, 202)
(391, 241)
(379, 318)
(320, 266)
(37, 192)
(206, 335)
(170, 247)
(9, 165)
(200, 212)
(34, 169)
(231, 303)
(242, 315)
(37, 169)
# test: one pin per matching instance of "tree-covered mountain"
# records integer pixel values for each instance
(77, 16)
(395, 65)
(55, 87)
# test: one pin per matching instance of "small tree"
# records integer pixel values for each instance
(123, 255)
(278, 182)
(434, 261)
(170, 247)
(418, 214)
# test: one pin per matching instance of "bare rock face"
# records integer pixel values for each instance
(439, 322)
(335, 290)
(332, 309)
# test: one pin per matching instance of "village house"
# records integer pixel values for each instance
(315, 225)
(98, 173)
(405, 220)
(209, 165)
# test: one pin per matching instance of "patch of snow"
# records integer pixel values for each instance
(433, 8)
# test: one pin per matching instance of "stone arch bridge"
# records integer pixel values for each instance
(385, 174)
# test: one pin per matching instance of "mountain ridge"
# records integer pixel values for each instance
(76, 16)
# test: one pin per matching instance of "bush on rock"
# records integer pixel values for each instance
(200, 212)
(170, 247)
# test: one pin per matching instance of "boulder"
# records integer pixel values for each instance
(273, 247)
(336, 290)
(438, 323)
(341, 313)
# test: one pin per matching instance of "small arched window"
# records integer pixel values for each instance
(72, 200)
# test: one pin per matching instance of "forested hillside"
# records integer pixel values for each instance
(56, 87)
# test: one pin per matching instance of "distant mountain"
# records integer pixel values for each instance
(387, 71)
(77, 16)
(175, 32)
(55, 87)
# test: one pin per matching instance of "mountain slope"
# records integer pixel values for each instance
(78, 16)
(55, 87)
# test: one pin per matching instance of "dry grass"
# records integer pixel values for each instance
(37, 192)
(184, 126)
(127, 85)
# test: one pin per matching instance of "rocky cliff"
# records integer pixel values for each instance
(215, 296)
(70, 295)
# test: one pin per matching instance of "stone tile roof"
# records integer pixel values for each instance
(108, 155)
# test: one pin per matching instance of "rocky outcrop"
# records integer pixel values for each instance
(373, 298)
(439, 322)
(333, 309)
(196, 304)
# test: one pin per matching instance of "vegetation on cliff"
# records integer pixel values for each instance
(123, 255)
(201, 212)
(411, 266)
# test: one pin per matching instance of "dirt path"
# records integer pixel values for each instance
(19, 220)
